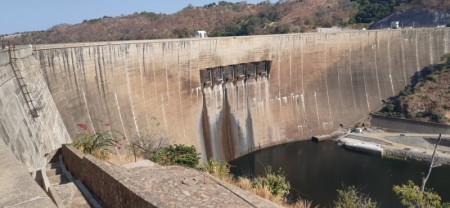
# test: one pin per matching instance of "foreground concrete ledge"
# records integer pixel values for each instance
(145, 184)
(17, 188)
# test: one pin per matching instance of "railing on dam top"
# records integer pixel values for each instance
(244, 72)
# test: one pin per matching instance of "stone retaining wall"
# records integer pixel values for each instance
(107, 185)
(414, 155)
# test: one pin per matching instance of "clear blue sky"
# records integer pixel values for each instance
(31, 15)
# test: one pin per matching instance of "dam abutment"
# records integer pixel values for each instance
(30, 124)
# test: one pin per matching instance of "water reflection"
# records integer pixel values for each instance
(317, 170)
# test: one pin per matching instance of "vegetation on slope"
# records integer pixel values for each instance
(427, 98)
(229, 19)
(97, 143)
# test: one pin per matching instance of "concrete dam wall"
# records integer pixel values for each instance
(29, 138)
(314, 83)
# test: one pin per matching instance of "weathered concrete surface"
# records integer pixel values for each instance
(18, 189)
(362, 146)
(148, 185)
(29, 139)
(317, 81)
(106, 183)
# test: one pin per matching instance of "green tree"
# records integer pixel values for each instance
(350, 197)
(411, 196)
(374, 10)
(176, 155)
(183, 32)
(282, 29)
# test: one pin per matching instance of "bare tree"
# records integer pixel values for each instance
(150, 140)
(425, 179)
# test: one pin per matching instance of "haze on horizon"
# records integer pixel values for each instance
(23, 16)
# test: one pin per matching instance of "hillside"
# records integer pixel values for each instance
(427, 98)
(228, 19)
(222, 19)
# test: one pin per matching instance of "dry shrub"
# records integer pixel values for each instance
(219, 169)
(300, 203)
(263, 192)
(244, 183)
(119, 159)
(101, 154)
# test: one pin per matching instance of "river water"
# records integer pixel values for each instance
(317, 170)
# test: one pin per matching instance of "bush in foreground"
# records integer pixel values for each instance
(219, 169)
(176, 155)
(411, 196)
(274, 182)
(350, 197)
(96, 143)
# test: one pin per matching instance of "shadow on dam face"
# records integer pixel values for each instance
(223, 133)
(228, 129)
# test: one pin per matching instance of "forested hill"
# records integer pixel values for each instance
(427, 98)
(227, 19)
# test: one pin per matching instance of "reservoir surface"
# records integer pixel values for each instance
(317, 170)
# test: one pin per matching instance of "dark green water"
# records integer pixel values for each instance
(317, 170)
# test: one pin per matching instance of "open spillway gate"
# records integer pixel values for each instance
(220, 75)
(226, 126)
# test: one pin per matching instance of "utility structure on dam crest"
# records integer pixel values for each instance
(232, 95)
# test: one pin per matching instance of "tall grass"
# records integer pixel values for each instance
(272, 186)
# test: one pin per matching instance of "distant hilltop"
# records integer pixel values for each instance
(241, 18)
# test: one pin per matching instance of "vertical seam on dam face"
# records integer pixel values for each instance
(389, 65)
(446, 42)
(364, 77)
(141, 75)
(179, 94)
(431, 49)
(404, 63)
(318, 80)
(328, 94)
(417, 53)
(351, 73)
(376, 65)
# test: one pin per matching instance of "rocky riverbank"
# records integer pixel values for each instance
(408, 154)
(417, 147)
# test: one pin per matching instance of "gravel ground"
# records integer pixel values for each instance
(368, 139)
(416, 141)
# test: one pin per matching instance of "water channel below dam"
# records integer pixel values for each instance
(317, 170)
